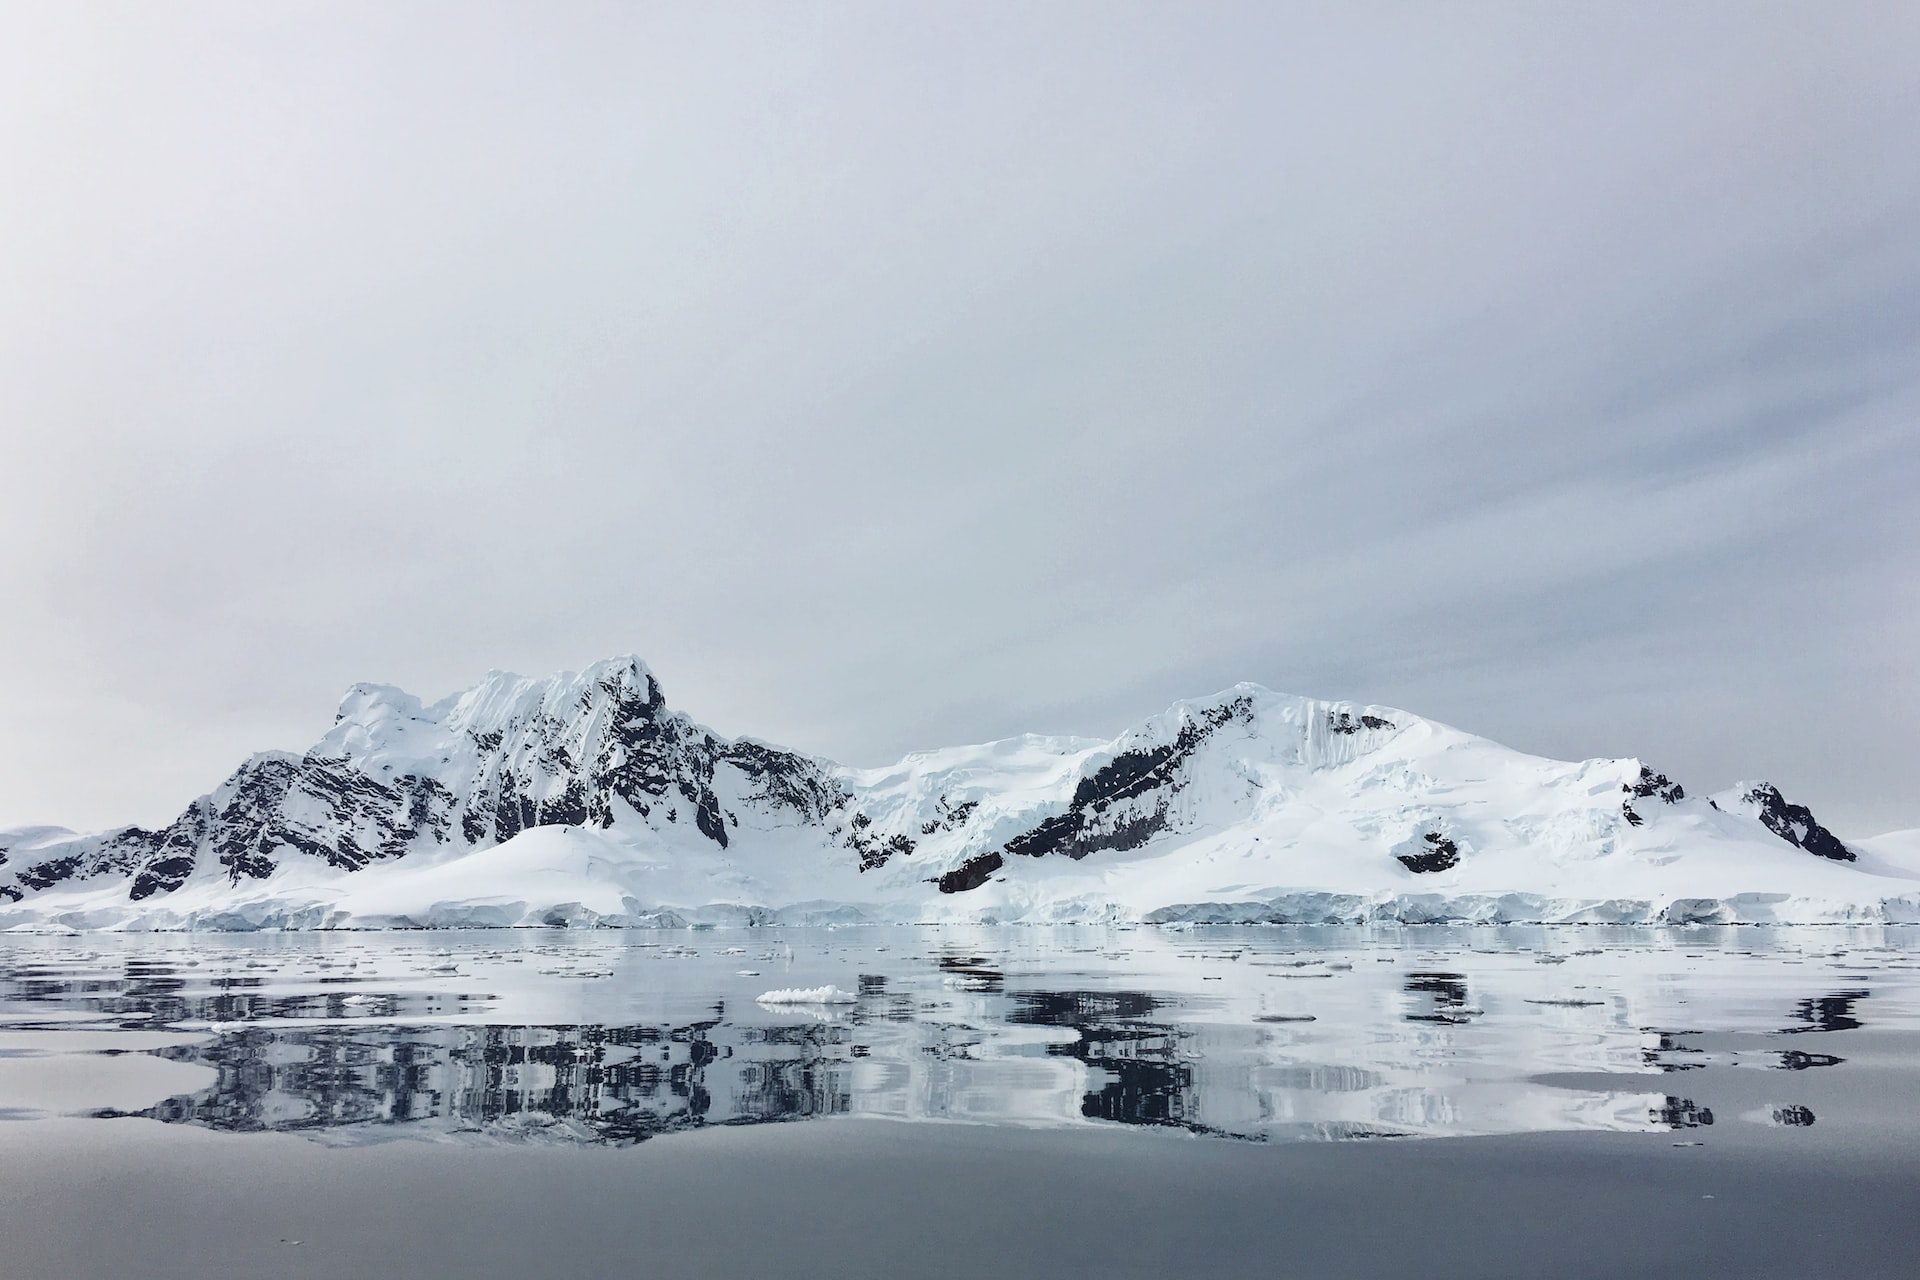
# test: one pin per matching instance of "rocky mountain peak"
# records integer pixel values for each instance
(1793, 823)
(1247, 789)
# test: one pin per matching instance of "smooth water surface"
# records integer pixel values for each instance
(1265, 1034)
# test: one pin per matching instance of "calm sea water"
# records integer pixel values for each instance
(1264, 1035)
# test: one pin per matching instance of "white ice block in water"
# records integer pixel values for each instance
(828, 994)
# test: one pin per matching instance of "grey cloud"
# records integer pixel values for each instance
(890, 377)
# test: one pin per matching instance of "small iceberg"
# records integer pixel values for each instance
(828, 994)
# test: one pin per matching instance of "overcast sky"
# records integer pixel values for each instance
(899, 375)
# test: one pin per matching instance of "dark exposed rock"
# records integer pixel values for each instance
(162, 875)
(950, 816)
(1440, 855)
(1345, 722)
(50, 872)
(1089, 825)
(782, 778)
(707, 818)
(174, 850)
(1795, 824)
(1649, 785)
(429, 807)
(971, 874)
(873, 848)
(1054, 835)
(249, 828)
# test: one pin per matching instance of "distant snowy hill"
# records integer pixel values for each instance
(585, 799)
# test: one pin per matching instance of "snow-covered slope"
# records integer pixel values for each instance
(1894, 853)
(585, 799)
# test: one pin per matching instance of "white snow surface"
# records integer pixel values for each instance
(1284, 808)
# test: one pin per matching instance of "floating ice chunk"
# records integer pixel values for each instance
(828, 994)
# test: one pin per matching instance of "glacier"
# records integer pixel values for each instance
(585, 800)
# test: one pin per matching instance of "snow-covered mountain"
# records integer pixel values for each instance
(586, 799)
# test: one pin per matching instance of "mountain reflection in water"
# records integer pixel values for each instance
(1261, 1033)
